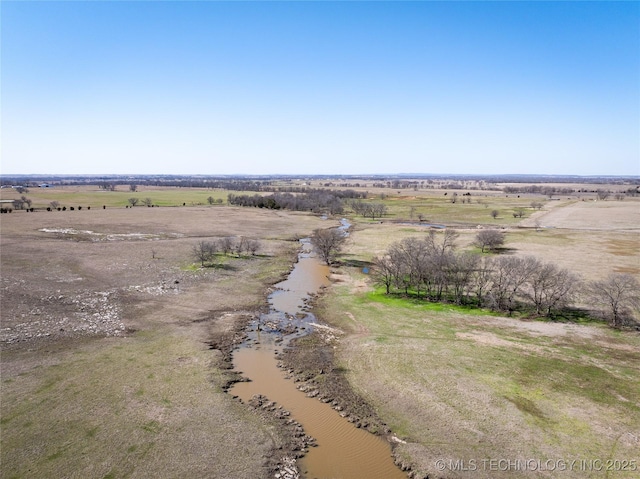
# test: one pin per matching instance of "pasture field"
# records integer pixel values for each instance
(107, 320)
(94, 197)
(470, 390)
(106, 323)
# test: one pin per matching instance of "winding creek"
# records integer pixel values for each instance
(343, 450)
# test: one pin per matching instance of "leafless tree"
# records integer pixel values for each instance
(133, 201)
(253, 246)
(494, 214)
(204, 251)
(210, 200)
(618, 294)
(536, 205)
(241, 245)
(519, 212)
(444, 242)
(480, 280)
(226, 244)
(508, 278)
(133, 188)
(147, 202)
(328, 243)
(460, 273)
(54, 205)
(550, 287)
(489, 239)
(384, 272)
(602, 194)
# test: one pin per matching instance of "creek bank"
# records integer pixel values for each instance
(289, 438)
(302, 349)
(310, 362)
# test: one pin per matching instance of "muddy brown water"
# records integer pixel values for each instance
(343, 451)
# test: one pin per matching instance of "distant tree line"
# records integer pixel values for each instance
(314, 200)
(432, 268)
(548, 190)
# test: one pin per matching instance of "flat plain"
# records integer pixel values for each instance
(107, 320)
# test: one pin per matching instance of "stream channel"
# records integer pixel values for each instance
(343, 451)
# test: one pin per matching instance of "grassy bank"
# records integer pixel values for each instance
(148, 405)
(468, 390)
(470, 387)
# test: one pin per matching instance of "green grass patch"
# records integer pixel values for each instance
(421, 303)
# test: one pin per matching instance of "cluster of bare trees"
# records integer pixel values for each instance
(368, 210)
(20, 204)
(205, 251)
(430, 267)
(316, 200)
(134, 201)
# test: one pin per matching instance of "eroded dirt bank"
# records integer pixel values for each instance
(289, 365)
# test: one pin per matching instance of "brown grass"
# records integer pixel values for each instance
(78, 401)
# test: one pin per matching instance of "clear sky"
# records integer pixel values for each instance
(206, 87)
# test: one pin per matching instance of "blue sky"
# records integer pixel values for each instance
(320, 87)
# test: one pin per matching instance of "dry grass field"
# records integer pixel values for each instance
(471, 391)
(106, 369)
(106, 321)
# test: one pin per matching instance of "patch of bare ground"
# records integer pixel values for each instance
(115, 348)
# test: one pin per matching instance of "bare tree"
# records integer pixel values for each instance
(494, 214)
(384, 272)
(536, 205)
(442, 243)
(551, 288)
(253, 246)
(519, 212)
(480, 280)
(147, 202)
(26, 201)
(54, 205)
(241, 245)
(602, 194)
(490, 239)
(618, 294)
(133, 201)
(460, 273)
(210, 200)
(204, 251)
(509, 276)
(133, 188)
(226, 244)
(328, 243)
